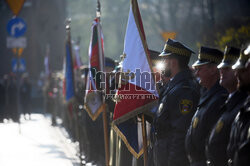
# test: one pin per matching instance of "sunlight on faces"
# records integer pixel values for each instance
(195, 70)
(243, 77)
(160, 66)
(204, 73)
(227, 78)
(167, 67)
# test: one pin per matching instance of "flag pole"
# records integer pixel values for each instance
(104, 114)
(144, 136)
(76, 127)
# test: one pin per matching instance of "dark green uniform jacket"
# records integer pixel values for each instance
(216, 149)
(239, 143)
(206, 116)
(176, 107)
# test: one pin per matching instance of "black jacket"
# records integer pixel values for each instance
(177, 105)
(216, 148)
(206, 116)
(239, 144)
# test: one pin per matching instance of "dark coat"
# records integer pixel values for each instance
(216, 148)
(25, 93)
(239, 143)
(177, 105)
(206, 116)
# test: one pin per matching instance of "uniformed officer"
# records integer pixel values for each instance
(239, 143)
(216, 147)
(208, 110)
(177, 105)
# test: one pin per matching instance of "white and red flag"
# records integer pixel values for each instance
(137, 93)
(93, 99)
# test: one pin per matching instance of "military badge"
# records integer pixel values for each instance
(186, 106)
(195, 122)
(219, 126)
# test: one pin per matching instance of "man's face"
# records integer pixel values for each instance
(227, 78)
(243, 77)
(167, 71)
(204, 73)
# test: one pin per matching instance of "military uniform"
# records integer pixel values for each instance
(238, 149)
(177, 104)
(217, 144)
(239, 144)
(207, 113)
(216, 147)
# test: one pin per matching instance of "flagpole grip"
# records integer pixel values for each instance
(106, 140)
(144, 135)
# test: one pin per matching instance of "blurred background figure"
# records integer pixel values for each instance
(25, 95)
(11, 103)
(51, 92)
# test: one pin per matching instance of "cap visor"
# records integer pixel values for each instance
(223, 65)
(238, 65)
(164, 54)
(199, 63)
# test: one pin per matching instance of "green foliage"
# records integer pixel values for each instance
(234, 37)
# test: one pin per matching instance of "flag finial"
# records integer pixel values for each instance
(123, 56)
(98, 9)
(68, 21)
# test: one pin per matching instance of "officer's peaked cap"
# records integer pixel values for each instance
(231, 54)
(208, 55)
(242, 60)
(175, 48)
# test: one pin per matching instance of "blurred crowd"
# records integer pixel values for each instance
(10, 93)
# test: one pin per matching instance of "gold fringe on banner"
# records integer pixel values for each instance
(124, 139)
(94, 116)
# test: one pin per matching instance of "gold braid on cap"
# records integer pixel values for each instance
(175, 50)
(210, 58)
(230, 57)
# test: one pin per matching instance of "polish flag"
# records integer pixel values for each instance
(137, 92)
